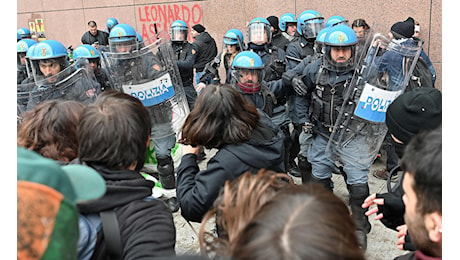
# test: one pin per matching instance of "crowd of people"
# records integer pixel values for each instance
(292, 102)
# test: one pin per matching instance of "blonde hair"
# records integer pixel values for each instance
(236, 205)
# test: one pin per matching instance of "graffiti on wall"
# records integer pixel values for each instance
(157, 18)
(37, 29)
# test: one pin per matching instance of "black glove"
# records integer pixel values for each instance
(408, 245)
(393, 210)
(278, 67)
(299, 86)
(287, 78)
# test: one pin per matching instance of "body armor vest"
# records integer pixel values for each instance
(327, 99)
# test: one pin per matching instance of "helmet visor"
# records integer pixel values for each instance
(312, 27)
(179, 34)
(259, 33)
(123, 45)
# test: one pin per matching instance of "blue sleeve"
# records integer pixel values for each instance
(430, 65)
(291, 51)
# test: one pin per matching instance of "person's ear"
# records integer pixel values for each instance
(433, 224)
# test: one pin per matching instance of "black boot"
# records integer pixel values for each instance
(326, 183)
(168, 181)
(357, 194)
(293, 167)
(305, 168)
(166, 172)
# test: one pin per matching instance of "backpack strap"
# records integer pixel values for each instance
(112, 236)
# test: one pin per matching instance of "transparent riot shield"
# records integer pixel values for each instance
(382, 73)
(150, 74)
(72, 83)
(23, 96)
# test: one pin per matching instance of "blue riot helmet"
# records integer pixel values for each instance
(25, 33)
(19, 36)
(28, 62)
(259, 32)
(86, 51)
(285, 19)
(123, 38)
(139, 37)
(248, 71)
(319, 42)
(309, 24)
(22, 47)
(178, 31)
(49, 57)
(111, 22)
(340, 42)
(140, 40)
(336, 20)
(234, 37)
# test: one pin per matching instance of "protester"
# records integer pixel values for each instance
(245, 138)
(206, 49)
(265, 216)
(422, 165)
(47, 215)
(113, 137)
(50, 129)
(409, 114)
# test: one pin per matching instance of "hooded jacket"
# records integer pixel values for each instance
(146, 226)
(197, 190)
(206, 50)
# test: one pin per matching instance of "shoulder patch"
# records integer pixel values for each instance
(193, 51)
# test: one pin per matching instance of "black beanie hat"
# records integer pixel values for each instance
(414, 111)
(199, 28)
(403, 29)
(274, 21)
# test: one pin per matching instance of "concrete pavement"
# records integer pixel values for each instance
(381, 240)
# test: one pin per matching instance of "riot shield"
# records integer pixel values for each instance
(151, 75)
(23, 96)
(382, 73)
(72, 83)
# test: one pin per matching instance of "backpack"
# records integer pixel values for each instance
(421, 77)
(103, 236)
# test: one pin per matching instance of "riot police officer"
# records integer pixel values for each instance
(248, 78)
(309, 24)
(55, 78)
(185, 54)
(24, 33)
(111, 22)
(131, 67)
(22, 69)
(233, 43)
(326, 79)
(86, 51)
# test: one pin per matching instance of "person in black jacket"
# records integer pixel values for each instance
(94, 36)
(114, 133)
(409, 114)
(186, 54)
(246, 140)
(206, 49)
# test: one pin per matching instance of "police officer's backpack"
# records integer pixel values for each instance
(421, 77)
